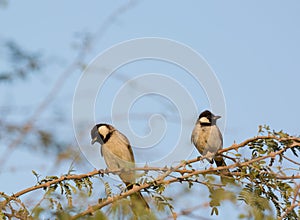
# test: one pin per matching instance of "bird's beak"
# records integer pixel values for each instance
(217, 117)
(94, 140)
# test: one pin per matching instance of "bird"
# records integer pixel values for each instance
(118, 154)
(207, 138)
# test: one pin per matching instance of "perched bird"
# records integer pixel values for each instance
(208, 140)
(117, 153)
(207, 137)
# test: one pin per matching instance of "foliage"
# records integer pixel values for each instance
(265, 179)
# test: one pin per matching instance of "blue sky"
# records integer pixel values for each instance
(253, 48)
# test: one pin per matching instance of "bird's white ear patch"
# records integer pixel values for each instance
(103, 130)
(204, 120)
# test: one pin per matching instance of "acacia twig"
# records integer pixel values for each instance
(92, 209)
(186, 174)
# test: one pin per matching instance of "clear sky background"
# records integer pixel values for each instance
(253, 48)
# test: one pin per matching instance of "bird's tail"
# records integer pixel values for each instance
(138, 202)
(220, 161)
(226, 176)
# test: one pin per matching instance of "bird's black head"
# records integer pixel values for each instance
(207, 118)
(101, 133)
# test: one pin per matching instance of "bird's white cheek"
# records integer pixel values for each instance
(103, 130)
(204, 120)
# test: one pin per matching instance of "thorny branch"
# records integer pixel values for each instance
(185, 174)
(294, 203)
(161, 179)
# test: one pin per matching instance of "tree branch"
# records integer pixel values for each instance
(185, 175)
(244, 143)
(160, 180)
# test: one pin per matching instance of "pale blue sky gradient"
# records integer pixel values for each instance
(253, 47)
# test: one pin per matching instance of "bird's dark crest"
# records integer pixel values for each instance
(212, 119)
(206, 114)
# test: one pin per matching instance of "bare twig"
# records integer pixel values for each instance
(293, 161)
